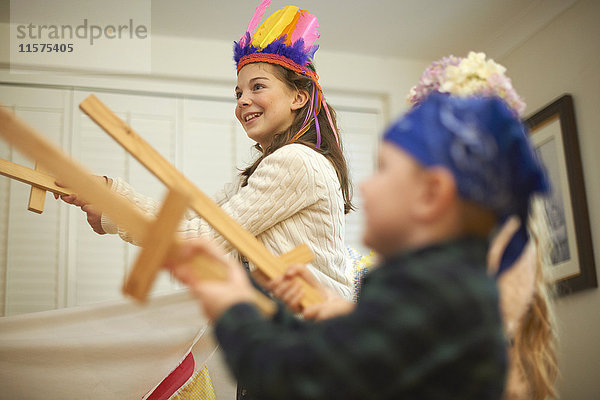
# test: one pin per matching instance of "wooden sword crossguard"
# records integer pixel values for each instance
(40, 181)
(37, 178)
(158, 238)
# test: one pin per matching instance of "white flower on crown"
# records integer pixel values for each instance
(463, 77)
(470, 76)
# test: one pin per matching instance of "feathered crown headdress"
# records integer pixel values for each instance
(287, 39)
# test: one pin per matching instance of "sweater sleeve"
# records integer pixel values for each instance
(283, 184)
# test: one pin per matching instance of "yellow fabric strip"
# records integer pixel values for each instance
(198, 387)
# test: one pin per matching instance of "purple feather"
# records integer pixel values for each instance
(297, 52)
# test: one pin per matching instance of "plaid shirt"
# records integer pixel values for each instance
(427, 326)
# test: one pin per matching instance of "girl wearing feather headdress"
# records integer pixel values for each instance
(297, 191)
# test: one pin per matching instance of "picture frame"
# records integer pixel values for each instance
(553, 132)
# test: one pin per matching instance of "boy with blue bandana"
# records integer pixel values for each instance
(427, 324)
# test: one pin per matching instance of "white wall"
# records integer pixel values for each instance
(564, 57)
(359, 87)
(390, 78)
(179, 59)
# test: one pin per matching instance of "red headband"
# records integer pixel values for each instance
(279, 60)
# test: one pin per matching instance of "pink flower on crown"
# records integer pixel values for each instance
(431, 79)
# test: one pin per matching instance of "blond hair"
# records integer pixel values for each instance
(533, 367)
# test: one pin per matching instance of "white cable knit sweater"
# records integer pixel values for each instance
(293, 197)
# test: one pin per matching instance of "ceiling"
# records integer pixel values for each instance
(418, 29)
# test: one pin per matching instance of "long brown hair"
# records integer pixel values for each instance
(536, 339)
(329, 146)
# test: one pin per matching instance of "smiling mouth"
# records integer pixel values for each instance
(252, 116)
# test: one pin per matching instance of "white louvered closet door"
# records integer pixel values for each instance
(55, 260)
(361, 129)
(214, 145)
(99, 263)
(32, 247)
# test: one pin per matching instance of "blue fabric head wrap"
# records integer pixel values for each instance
(485, 146)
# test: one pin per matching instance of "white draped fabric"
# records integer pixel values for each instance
(117, 350)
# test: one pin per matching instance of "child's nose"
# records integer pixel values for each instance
(244, 100)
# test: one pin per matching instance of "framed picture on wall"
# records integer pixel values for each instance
(554, 135)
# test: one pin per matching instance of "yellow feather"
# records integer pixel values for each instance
(274, 26)
(290, 28)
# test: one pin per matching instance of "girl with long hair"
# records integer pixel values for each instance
(298, 189)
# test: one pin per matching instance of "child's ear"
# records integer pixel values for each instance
(438, 194)
(300, 99)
